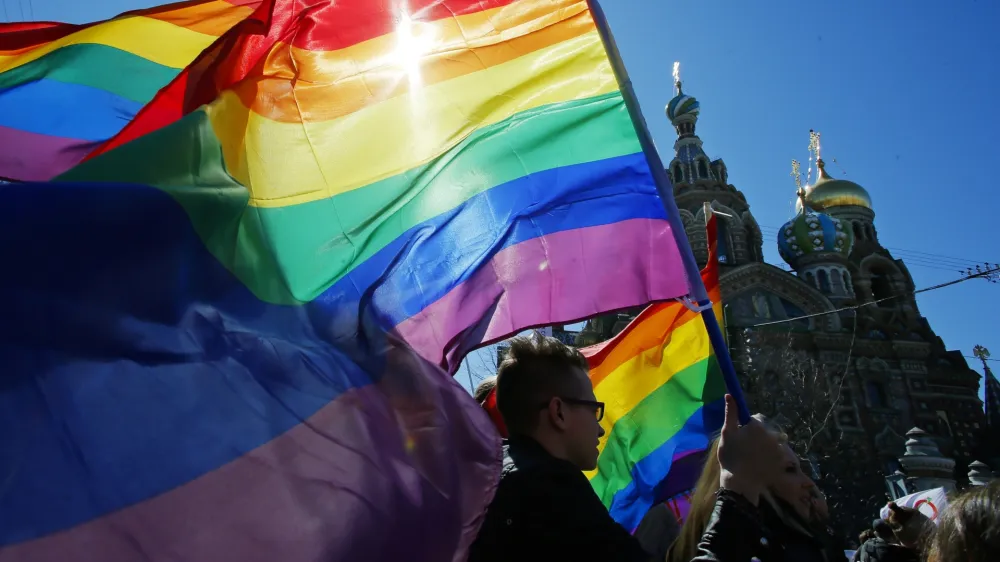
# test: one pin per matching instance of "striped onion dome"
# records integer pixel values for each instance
(812, 233)
(682, 104)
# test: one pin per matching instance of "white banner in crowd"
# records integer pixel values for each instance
(930, 503)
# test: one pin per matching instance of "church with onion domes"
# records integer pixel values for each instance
(846, 304)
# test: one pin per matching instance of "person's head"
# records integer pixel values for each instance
(703, 499)
(865, 536)
(883, 531)
(793, 486)
(484, 389)
(969, 529)
(909, 525)
(544, 392)
(486, 396)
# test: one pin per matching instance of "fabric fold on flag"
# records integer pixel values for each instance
(67, 88)
(664, 400)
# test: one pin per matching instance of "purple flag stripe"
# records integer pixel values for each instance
(19, 156)
(541, 281)
(306, 494)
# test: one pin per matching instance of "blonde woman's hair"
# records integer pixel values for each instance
(685, 547)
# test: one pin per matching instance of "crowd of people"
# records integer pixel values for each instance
(752, 502)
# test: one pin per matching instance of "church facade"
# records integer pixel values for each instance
(885, 369)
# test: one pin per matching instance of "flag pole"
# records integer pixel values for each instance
(698, 293)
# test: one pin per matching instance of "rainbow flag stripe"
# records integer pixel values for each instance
(65, 89)
(664, 399)
(227, 328)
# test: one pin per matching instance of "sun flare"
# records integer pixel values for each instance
(413, 41)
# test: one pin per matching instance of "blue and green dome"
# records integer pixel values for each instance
(811, 233)
(682, 104)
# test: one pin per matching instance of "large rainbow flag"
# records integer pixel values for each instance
(664, 398)
(221, 341)
(65, 88)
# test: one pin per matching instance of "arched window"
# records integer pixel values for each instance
(702, 169)
(858, 234)
(876, 394)
(824, 281)
(837, 281)
(811, 279)
(847, 283)
(870, 232)
(678, 176)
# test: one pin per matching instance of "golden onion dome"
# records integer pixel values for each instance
(829, 192)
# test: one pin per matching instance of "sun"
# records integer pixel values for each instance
(413, 40)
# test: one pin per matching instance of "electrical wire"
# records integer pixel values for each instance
(911, 257)
(983, 274)
(979, 359)
(773, 231)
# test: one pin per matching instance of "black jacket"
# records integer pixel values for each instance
(813, 545)
(735, 533)
(878, 550)
(545, 509)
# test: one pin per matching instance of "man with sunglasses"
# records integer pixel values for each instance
(544, 507)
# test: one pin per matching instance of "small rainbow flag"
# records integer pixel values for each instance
(664, 400)
(65, 88)
(223, 337)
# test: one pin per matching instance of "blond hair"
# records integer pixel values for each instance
(703, 500)
(685, 547)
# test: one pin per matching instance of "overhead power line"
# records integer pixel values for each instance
(989, 275)
(775, 230)
(980, 358)
(912, 257)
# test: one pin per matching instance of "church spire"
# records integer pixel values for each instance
(800, 191)
(682, 110)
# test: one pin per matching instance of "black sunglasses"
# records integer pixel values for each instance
(597, 406)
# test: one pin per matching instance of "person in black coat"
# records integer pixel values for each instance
(790, 517)
(544, 507)
(737, 530)
(883, 547)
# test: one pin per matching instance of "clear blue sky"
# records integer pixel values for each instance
(903, 91)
